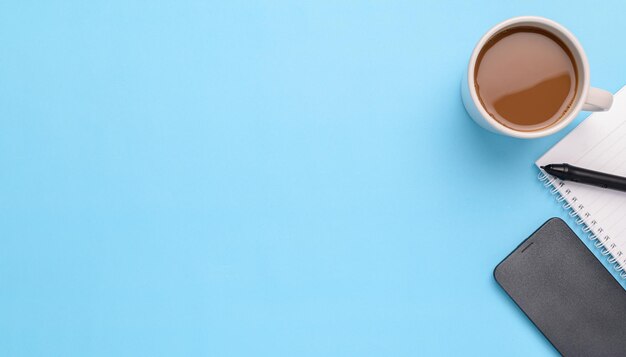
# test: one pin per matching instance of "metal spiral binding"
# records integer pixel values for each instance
(574, 212)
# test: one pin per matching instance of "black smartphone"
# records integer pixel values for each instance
(566, 292)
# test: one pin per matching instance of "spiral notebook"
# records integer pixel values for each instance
(598, 143)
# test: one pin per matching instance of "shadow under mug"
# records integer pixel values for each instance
(587, 98)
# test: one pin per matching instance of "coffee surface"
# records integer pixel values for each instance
(526, 78)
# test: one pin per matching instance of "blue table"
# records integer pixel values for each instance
(263, 178)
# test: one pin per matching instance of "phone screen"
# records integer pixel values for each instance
(566, 292)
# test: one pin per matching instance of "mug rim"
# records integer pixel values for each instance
(583, 75)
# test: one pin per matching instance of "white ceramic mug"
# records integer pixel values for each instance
(587, 98)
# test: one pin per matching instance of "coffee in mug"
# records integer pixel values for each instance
(528, 77)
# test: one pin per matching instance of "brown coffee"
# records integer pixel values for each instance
(526, 78)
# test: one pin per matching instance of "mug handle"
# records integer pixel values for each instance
(598, 100)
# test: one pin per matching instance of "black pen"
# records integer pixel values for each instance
(578, 174)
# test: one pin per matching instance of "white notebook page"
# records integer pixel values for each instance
(598, 143)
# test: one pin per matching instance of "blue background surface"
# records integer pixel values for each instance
(264, 178)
